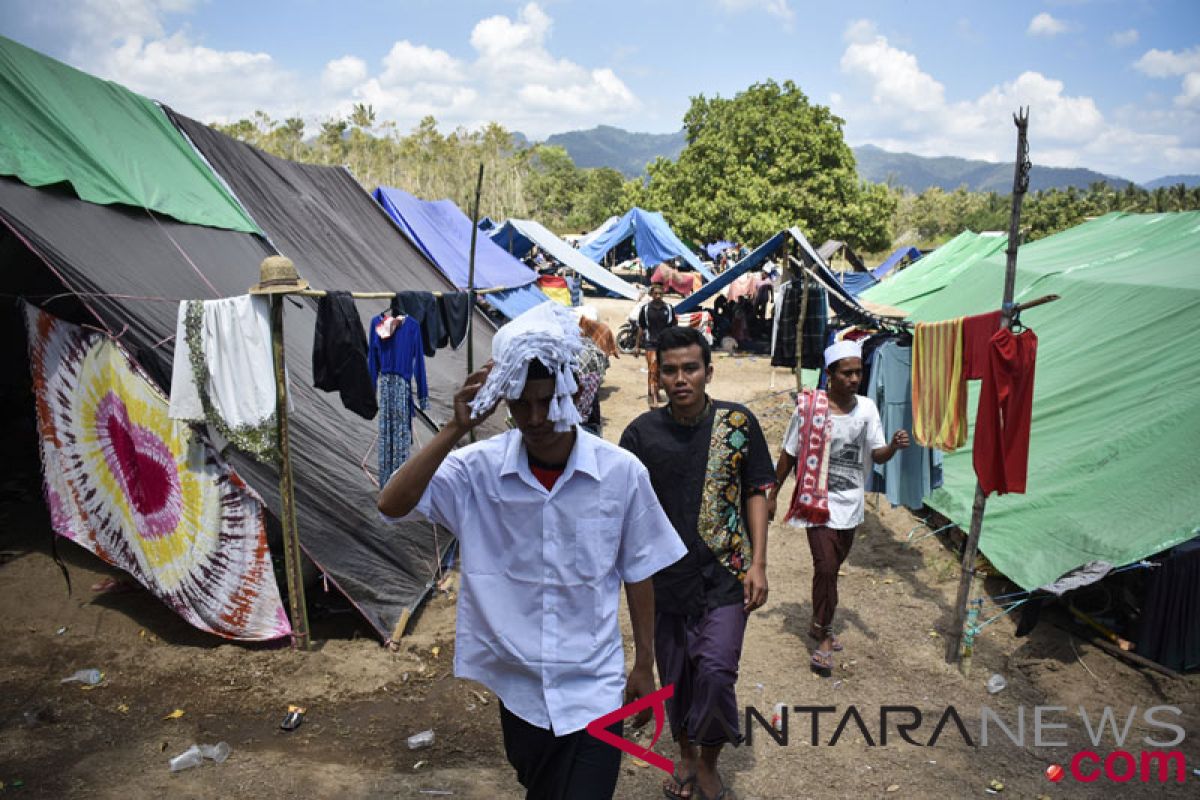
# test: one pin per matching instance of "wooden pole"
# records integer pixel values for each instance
(471, 280)
(1020, 186)
(804, 282)
(297, 606)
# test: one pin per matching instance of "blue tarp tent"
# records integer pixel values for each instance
(443, 232)
(652, 236)
(517, 236)
(487, 224)
(856, 282)
(911, 253)
(843, 303)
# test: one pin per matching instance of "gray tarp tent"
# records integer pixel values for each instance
(517, 236)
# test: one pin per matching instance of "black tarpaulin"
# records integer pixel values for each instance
(113, 250)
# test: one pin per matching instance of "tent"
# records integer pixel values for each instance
(518, 236)
(901, 254)
(602, 229)
(1115, 446)
(443, 233)
(652, 236)
(937, 270)
(840, 299)
(856, 282)
(126, 267)
(832, 248)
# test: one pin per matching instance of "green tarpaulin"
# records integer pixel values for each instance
(58, 124)
(1114, 460)
(935, 271)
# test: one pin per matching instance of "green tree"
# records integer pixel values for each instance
(762, 161)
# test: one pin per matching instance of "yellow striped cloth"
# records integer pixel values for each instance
(939, 392)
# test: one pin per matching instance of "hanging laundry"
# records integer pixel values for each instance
(455, 311)
(913, 473)
(223, 371)
(340, 354)
(396, 361)
(977, 333)
(423, 307)
(813, 330)
(1001, 450)
(938, 391)
(141, 491)
(555, 287)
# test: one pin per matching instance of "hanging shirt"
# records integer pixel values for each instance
(223, 372)
(913, 473)
(542, 570)
(854, 436)
(455, 308)
(423, 307)
(398, 354)
(1001, 451)
(340, 354)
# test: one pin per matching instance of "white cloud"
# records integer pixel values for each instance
(1045, 25)
(1124, 38)
(508, 73)
(776, 8)
(890, 101)
(860, 31)
(1167, 63)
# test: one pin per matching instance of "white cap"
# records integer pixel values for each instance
(843, 349)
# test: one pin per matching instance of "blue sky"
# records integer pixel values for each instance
(1114, 86)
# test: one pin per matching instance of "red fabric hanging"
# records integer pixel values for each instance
(1001, 449)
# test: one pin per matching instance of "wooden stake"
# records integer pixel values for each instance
(287, 498)
(471, 281)
(800, 329)
(966, 579)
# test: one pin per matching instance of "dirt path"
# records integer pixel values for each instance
(112, 741)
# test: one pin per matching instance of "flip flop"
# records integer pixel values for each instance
(816, 637)
(681, 783)
(725, 793)
(822, 659)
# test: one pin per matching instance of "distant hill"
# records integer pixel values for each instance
(918, 173)
(626, 152)
(629, 153)
(1190, 181)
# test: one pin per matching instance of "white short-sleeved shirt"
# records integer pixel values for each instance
(542, 571)
(855, 435)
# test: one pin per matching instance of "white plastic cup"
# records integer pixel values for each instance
(192, 757)
(996, 683)
(88, 677)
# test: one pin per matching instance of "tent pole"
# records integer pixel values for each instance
(967, 577)
(800, 330)
(297, 606)
(471, 280)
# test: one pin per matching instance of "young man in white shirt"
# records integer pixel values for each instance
(857, 443)
(550, 523)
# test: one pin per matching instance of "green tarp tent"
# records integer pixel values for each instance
(935, 271)
(1115, 446)
(58, 124)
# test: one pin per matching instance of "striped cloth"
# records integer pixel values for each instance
(939, 391)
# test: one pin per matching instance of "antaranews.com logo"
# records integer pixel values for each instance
(1154, 760)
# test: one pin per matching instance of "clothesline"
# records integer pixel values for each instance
(389, 295)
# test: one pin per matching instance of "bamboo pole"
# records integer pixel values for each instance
(471, 281)
(967, 577)
(297, 606)
(804, 282)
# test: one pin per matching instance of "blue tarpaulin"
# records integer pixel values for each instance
(517, 236)
(443, 232)
(911, 253)
(856, 282)
(716, 248)
(718, 284)
(653, 238)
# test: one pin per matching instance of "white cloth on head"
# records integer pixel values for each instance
(549, 334)
(843, 349)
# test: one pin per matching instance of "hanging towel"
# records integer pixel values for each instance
(455, 312)
(1001, 450)
(810, 500)
(939, 394)
(224, 369)
(340, 354)
(423, 307)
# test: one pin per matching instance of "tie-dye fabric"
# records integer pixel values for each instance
(142, 491)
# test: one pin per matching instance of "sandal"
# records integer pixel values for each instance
(681, 784)
(815, 635)
(822, 660)
(725, 793)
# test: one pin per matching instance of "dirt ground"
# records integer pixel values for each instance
(362, 701)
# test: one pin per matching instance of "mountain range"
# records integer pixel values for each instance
(629, 153)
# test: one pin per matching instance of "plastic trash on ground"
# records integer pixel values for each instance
(420, 740)
(88, 677)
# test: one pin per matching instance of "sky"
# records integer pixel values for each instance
(1113, 85)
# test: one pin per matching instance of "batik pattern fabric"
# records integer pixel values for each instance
(143, 491)
(722, 525)
(810, 498)
(223, 373)
(395, 423)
